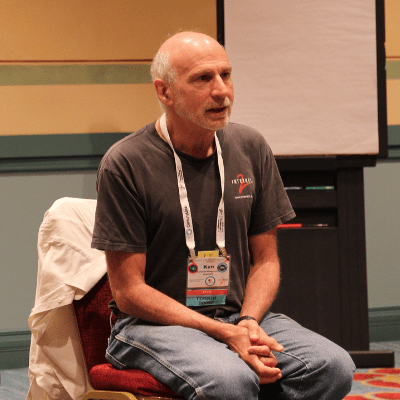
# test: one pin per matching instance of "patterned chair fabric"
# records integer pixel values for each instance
(93, 318)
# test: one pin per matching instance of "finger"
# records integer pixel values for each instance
(261, 369)
(269, 379)
(266, 371)
(254, 331)
(276, 346)
(270, 342)
(270, 362)
(262, 350)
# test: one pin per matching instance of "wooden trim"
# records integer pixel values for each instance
(373, 359)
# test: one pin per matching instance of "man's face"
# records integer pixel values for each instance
(203, 91)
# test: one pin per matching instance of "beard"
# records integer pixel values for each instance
(213, 116)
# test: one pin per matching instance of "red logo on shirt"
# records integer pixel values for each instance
(242, 181)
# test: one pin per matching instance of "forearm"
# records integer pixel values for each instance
(126, 272)
(149, 304)
(263, 280)
(261, 288)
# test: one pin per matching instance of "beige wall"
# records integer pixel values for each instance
(23, 201)
(392, 25)
(71, 33)
(86, 33)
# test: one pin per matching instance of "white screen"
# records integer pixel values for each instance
(305, 73)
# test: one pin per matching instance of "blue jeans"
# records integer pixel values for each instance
(197, 366)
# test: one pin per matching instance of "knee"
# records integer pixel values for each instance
(338, 367)
(231, 384)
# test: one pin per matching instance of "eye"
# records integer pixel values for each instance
(204, 78)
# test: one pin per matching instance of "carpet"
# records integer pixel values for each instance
(376, 383)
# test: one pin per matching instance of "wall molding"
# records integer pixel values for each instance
(394, 142)
(61, 152)
(84, 151)
(114, 73)
(14, 349)
(384, 325)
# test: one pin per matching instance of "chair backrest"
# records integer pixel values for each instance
(93, 318)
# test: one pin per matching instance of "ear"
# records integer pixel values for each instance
(163, 92)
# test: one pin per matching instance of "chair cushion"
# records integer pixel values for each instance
(106, 377)
(93, 318)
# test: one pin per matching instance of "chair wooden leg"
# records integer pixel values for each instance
(107, 395)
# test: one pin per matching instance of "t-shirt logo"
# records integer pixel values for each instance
(243, 183)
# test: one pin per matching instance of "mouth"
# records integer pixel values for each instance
(218, 110)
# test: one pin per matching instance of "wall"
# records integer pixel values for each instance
(382, 191)
(23, 202)
(73, 79)
(382, 188)
(382, 185)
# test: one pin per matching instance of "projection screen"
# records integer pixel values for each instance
(305, 74)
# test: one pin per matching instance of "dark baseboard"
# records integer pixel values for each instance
(373, 359)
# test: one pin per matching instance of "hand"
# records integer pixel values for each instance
(262, 346)
(259, 337)
(258, 356)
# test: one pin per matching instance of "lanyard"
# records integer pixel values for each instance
(183, 197)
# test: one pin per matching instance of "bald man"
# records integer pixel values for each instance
(187, 213)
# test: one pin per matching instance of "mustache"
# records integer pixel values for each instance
(226, 103)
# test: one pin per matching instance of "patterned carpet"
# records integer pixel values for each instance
(377, 383)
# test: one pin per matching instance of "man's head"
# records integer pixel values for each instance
(192, 76)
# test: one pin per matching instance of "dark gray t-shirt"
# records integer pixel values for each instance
(138, 208)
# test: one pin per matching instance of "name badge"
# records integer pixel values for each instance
(207, 281)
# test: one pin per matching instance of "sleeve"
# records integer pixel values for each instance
(120, 215)
(272, 206)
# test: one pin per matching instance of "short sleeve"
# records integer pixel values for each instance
(120, 217)
(272, 206)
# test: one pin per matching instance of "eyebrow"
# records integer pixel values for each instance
(210, 71)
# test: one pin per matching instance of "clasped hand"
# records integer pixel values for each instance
(255, 347)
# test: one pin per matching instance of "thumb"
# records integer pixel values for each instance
(253, 328)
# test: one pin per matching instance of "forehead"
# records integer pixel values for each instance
(192, 59)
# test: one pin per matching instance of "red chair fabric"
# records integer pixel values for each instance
(93, 318)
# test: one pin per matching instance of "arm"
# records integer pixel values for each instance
(261, 288)
(133, 296)
(263, 280)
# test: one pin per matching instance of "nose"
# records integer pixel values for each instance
(221, 88)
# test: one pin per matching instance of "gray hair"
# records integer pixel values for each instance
(161, 68)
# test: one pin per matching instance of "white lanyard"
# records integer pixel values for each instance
(183, 197)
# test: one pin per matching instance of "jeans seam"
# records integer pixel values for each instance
(114, 359)
(170, 367)
(301, 379)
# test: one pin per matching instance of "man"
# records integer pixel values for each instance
(187, 214)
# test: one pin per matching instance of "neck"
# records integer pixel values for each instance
(199, 143)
